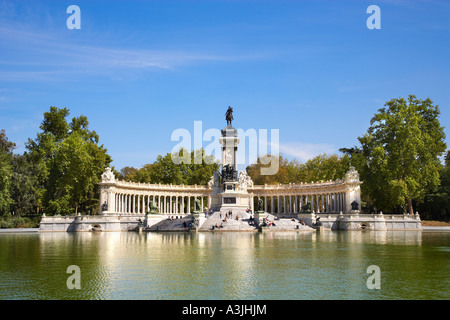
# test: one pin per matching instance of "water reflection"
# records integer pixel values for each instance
(238, 265)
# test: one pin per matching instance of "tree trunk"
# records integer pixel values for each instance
(410, 206)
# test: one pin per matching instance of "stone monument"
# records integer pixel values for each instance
(229, 187)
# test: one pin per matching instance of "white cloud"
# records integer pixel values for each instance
(305, 151)
(44, 56)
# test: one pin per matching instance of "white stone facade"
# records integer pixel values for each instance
(130, 198)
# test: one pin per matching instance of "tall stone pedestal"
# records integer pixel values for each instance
(229, 188)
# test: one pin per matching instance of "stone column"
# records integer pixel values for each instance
(317, 202)
(272, 208)
(182, 204)
(335, 203)
(339, 202)
(323, 203)
(265, 204)
(189, 205)
(278, 204)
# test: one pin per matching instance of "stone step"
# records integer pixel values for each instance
(171, 225)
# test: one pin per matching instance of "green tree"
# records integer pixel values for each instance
(25, 186)
(402, 148)
(128, 174)
(6, 148)
(286, 170)
(323, 168)
(69, 162)
(166, 171)
(320, 168)
(437, 204)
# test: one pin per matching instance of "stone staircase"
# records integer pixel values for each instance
(285, 224)
(240, 224)
(171, 225)
(243, 223)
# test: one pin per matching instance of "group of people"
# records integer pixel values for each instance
(228, 215)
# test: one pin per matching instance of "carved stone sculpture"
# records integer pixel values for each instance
(108, 175)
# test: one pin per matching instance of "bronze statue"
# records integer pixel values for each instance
(306, 207)
(229, 116)
(229, 173)
(197, 205)
(260, 205)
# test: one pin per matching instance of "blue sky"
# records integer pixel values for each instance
(141, 69)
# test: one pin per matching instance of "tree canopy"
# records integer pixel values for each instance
(401, 149)
(164, 170)
(6, 173)
(320, 168)
(69, 162)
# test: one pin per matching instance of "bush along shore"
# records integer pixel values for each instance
(7, 222)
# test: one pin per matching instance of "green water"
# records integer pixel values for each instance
(238, 265)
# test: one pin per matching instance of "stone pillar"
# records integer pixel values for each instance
(335, 203)
(278, 204)
(182, 204)
(138, 200)
(317, 202)
(265, 204)
(189, 205)
(322, 203)
(272, 208)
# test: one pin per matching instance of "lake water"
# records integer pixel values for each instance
(234, 265)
